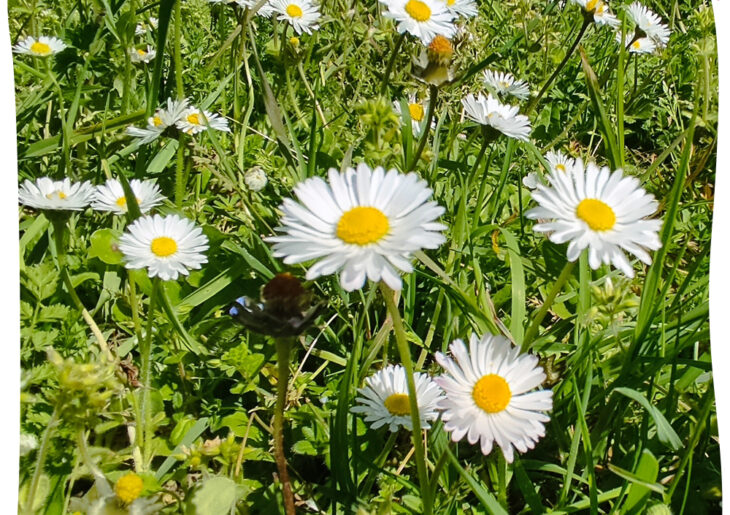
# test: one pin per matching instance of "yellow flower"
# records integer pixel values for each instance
(128, 487)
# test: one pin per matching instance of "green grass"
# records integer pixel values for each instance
(633, 422)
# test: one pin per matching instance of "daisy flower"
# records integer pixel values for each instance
(365, 224)
(502, 83)
(301, 14)
(488, 397)
(266, 10)
(417, 111)
(490, 112)
(531, 180)
(465, 8)
(63, 195)
(165, 246)
(384, 399)
(142, 27)
(637, 45)
(193, 121)
(423, 19)
(139, 55)
(41, 47)
(161, 120)
(649, 23)
(602, 15)
(600, 210)
(110, 196)
(559, 162)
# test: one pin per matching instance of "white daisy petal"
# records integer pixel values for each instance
(384, 399)
(600, 210)
(363, 224)
(488, 398)
(490, 112)
(110, 196)
(43, 46)
(166, 246)
(302, 15)
(424, 19)
(45, 193)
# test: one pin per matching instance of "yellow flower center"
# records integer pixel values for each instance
(636, 44)
(122, 202)
(591, 5)
(294, 11)
(398, 404)
(418, 10)
(416, 111)
(128, 487)
(194, 118)
(294, 41)
(162, 246)
(450, 2)
(441, 46)
(560, 167)
(141, 52)
(157, 121)
(40, 48)
(362, 226)
(492, 393)
(504, 84)
(597, 214)
(58, 194)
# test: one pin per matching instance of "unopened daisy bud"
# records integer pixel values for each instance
(285, 308)
(294, 41)
(128, 487)
(659, 509)
(440, 49)
(255, 179)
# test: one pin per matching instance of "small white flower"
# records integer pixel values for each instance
(364, 224)
(531, 180)
(28, 443)
(637, 45)
(255, 179)
(603, 211)
(166, 246)
(266, 10)
(417, 111)
(505, 118)
(63, 195)
(602, 15)
(139, 55)
(501, 83)
(489, 398)
(41, 47)
(142, 27)
(301, 14)
(465, 8)
(384, 399)
(559, 162)
(110, 196)
(161, 120)
(193, 121)
(649, 23)
(423, 19)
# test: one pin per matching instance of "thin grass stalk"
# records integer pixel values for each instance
(405, 355)
(40, 461)
(391, 62)
(144, 377)
(283, 346)
(557, 287)
(533, 103)
(432, 98)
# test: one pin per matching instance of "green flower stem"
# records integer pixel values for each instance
(432, 98)
(531, 332)
(283, 346)
(378, 463)
(405, 355)
(40, 460)
(85, 456)
(59, 230)
(586, 22)
(433, 485)
(180, 171)
(391, 62)
(502, 479)
(145, 435)
(178, 54)
(134, 306)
